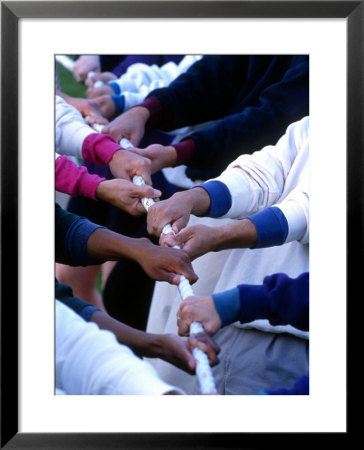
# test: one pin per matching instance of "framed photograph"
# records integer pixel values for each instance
(32, 33)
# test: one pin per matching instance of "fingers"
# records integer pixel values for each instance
(147, 191)
(205, 344)
(177, 239)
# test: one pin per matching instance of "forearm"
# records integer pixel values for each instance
(106, 245)
(71, 129)
(240, 234)
(75, 180)
(142, 343)
(197, 199)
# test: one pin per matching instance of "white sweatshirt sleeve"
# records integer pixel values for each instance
(274, 176)
(71, 129)
(140, 79)
(90, 361)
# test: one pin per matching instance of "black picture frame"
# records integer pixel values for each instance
(11, 12)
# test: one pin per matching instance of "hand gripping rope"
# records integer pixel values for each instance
(203, 369)
(68, 63)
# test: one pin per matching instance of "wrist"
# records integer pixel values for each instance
(198, 200)
(171, 156)
(141, 112)
(139, 247)
(155, 345)
(240, 234)
(101, 190)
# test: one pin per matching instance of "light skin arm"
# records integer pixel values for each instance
(197, 240)
(125, 195)
(85, 64)
(161, 156)
(198, 309)
(130, 125)
(125, 164)
(177, 210)
(88, 108)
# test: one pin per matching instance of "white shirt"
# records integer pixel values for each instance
(90, 361)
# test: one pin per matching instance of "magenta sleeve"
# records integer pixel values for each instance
(99, 148)
(75, 180)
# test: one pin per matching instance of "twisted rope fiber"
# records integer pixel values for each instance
(203, 369)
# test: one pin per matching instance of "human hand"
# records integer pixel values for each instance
(85, 64)
(129, 125)
(160, 155)
(125, 164)
(125, 195)
(177, 351)
(207, 345)
(174, 211)
(105, 77)
(89, 109)
(95, 92)
(196, 240)
(198, 309)
(106, 105)
(163, 263)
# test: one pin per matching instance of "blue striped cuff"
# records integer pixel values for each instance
(115, 87)
(119, 102)
(227, 305)
(272, 227)
(220, 198)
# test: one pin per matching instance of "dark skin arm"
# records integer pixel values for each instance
(160, 263)
(169, 347)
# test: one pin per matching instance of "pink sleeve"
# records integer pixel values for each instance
(99, 148)
(75, 180)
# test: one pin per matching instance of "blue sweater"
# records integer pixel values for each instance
(71, 236)
(253, 98)
(280, 299)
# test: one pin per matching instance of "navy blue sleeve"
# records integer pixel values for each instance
(301, 387)
(271, 225)
(64, 294)
(280, 299)
(71, 235)
(220, 198)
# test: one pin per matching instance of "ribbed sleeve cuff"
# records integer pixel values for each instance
(76, 241)
(99, 148)
(254, 302)
(227, 305)
(119, 103)
(155, 109)
(87, 312)
(272, 227)
(185, 151)
(220, 198)
(115, 87)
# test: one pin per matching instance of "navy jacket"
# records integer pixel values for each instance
(253, 99)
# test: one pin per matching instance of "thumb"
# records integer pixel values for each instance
(148, 191)
(177, 239)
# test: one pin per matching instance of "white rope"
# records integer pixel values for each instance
(203, 369)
